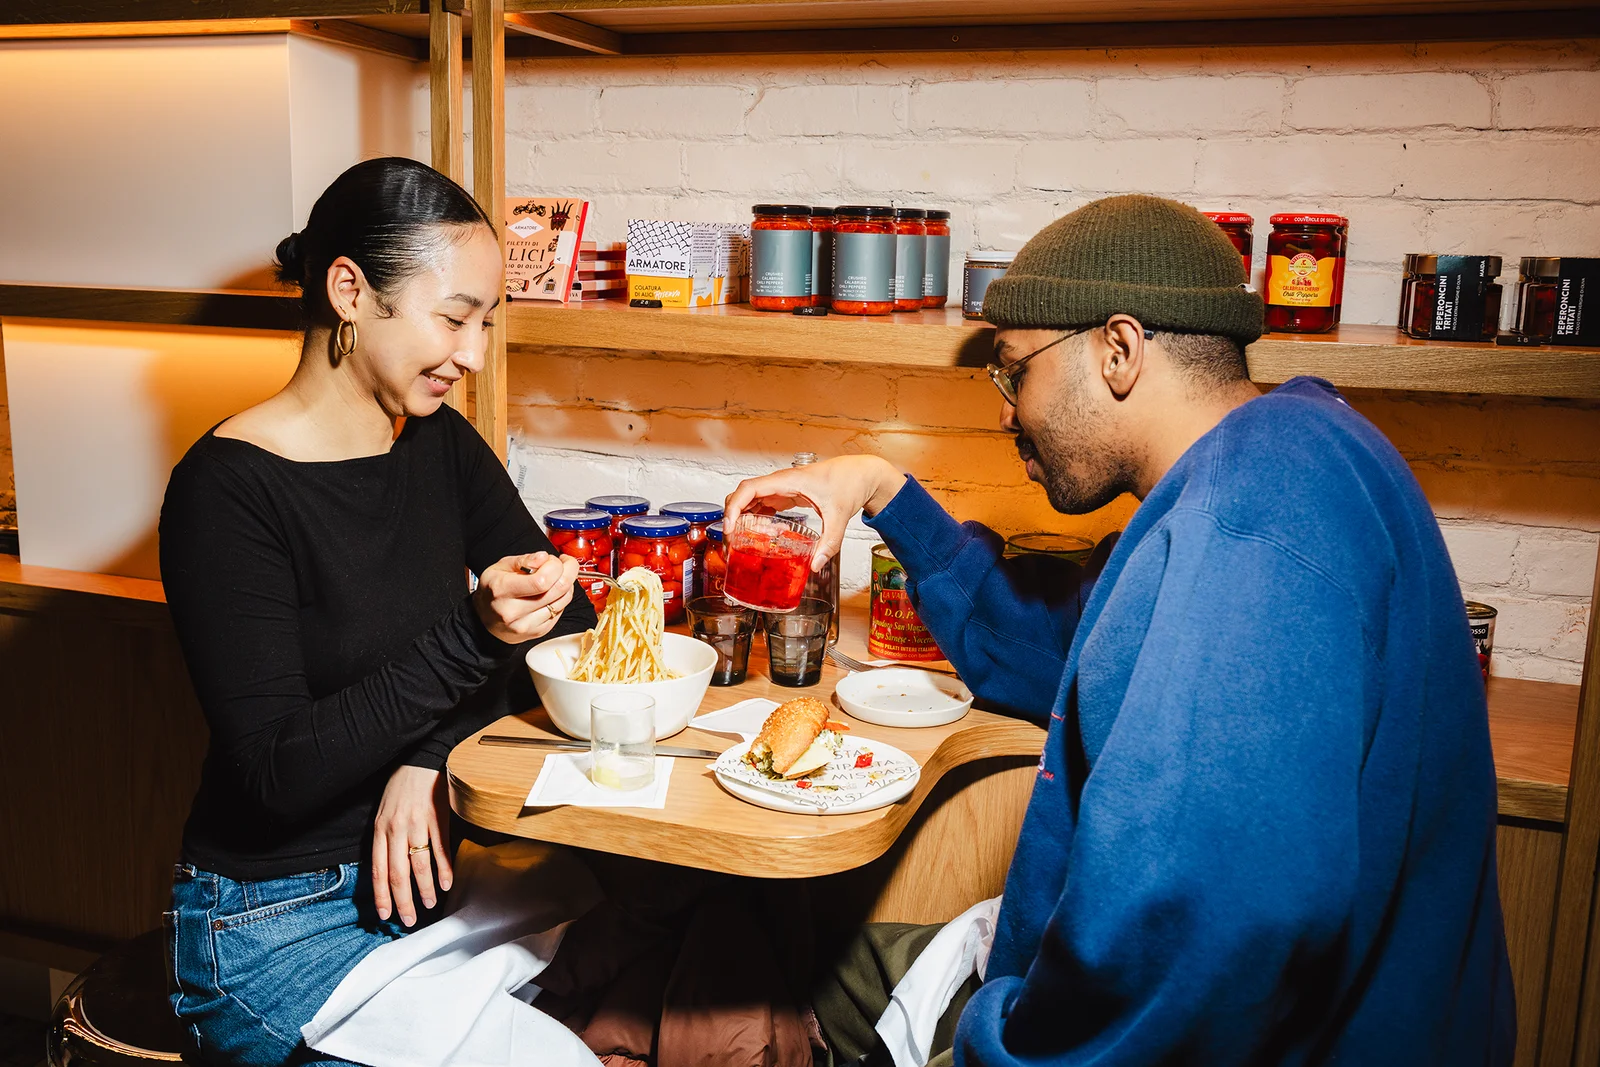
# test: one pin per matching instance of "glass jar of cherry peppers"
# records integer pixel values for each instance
(1240, 230)
(660, 543)
(1305, 255)
(699, 514)
(619, 508)
(585, 535)
(716, 562)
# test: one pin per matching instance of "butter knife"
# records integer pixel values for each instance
(583, 746)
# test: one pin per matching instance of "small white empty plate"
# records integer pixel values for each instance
(900, 696)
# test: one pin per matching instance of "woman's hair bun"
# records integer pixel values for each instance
(291, 260)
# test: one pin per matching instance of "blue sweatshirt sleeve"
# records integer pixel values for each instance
(1004, 624)
(1211, 871)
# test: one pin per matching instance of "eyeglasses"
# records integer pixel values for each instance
(1009, 379)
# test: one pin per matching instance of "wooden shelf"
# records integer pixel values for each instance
(721, 27)
(242, 309)
(1364, 357)
(1532, 726)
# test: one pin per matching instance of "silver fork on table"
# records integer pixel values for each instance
(850, 663)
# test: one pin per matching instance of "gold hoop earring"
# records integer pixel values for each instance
(340, 348)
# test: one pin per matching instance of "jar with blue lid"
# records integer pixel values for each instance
(660, 543)
(699, 514)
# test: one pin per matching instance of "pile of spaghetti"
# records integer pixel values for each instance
(626, 646)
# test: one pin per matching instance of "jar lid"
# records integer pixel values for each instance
(1002, 259)
(714, 531)
(576, 519)
(1541, 266)
(1052, 544)
(693, 510)
(795, 515)
(910, 213)
(1309, 220)
(1476, 610)
(619, 505)
(788, 210)
(1229, 218)
(828, 211)
(869, 211)
(655, 526)
(938, 213)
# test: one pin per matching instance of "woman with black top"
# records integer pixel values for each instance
(315, 550)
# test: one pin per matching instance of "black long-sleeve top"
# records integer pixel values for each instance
(324, 617)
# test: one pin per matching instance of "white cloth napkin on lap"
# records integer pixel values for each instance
(454, 994)
(957, 952)
(564, 780)
(744, 718)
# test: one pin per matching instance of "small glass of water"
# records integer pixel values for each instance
(622, 740)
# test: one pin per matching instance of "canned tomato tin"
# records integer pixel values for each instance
(1480, 617)
(1063, 546)
(894, 631)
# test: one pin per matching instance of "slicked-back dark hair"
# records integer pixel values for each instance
(391, 216)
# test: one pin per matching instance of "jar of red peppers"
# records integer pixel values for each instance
(1536, 296)
(821, 256)
(716, 562)
(1305, 254)
(1240, 229)
(661, 543)
(780, 257)
(1343, 230)
(619, 508)
(699, 514)
(1453, 298)
(863, 260)
(910, 257)
(585, 535)
(936, 275)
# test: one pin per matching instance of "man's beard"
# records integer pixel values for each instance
(1082, 475)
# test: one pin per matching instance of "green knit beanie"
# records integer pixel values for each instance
(1158, 260)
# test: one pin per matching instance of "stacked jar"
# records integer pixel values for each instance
(1305, 270)
(716, 562)
(910, 257)
(863, 260)
(660, 543)
(1453, 298)
(1240, 229)
(936, 275)
(781, 246)
(619, 508)
(585, 535)
(821, 256)
(699, 514)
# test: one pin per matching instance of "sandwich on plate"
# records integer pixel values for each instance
(797, 740)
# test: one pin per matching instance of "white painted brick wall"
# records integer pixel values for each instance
(1444, 148)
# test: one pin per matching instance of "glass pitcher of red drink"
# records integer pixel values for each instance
(769, 559)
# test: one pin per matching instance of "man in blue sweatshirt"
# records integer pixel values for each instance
(1263, 826)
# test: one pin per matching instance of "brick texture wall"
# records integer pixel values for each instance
(1447, 148)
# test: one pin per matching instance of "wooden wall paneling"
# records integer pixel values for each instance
(104, 741)
(1575, 894)
(1529, 861)
(489, 186)
(445, 128)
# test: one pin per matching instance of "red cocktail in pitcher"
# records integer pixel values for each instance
(769, 559)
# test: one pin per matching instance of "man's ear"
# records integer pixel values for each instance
(1122, 359)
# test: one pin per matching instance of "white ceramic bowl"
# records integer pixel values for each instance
(677, 699)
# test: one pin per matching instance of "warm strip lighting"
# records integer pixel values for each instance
(184, 28)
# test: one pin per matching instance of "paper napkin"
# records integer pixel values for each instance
(564, 779)
(744, 718)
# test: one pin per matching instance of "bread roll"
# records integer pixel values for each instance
(789, 732)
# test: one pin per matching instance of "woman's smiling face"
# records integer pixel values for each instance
(419, 341)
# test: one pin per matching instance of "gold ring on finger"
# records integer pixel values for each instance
(414, 849)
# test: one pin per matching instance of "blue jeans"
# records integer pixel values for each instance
(254, 961)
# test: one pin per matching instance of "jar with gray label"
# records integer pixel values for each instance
(936, 275)
(910, 257)
(863, 260)
(780, 257)
(821, 256)
(982, 268)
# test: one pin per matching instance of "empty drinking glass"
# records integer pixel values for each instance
(622, 740)
(797, 643)
(727, 628)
